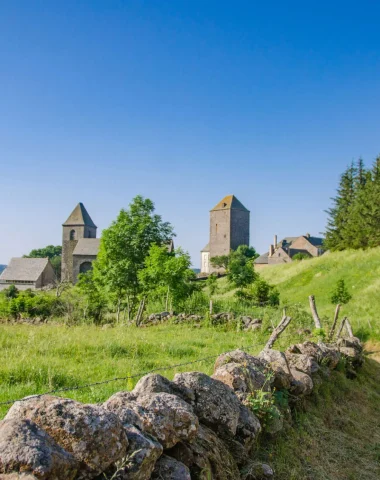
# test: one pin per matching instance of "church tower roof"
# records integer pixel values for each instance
(230, 202)
(79, 217)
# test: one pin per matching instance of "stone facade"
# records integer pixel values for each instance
(28, 273)
(284, 251)
(78, 227)
(229, 228)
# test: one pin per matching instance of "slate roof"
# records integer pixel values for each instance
(24, 269)
(230, 202)
(262, 258)
(79, 217)
(315, 241)
(87, 246)
(206, 248)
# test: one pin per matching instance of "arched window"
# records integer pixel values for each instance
(85, 267)
(72, 235)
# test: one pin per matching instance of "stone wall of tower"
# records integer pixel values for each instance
(220, 232)
(239, 228)
(68, 247)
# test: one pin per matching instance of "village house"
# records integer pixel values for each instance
(284, 251)
(25, 273)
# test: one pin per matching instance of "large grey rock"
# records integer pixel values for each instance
(257, 471)
(142, 455)
(94, 436)
(26, 448)
(303, 363)
(215, 404)
(168, 418)
(276, 361)
(330, 355)
(307, 348)
(168, 468)
(154, 383)
(240, 357)
(302, 384)
(242, 378)
(207, 457)
(125, 406)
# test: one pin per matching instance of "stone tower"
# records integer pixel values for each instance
(79, 225)
(229, 228)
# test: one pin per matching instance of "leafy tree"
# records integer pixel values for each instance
(212, 284)
(260, 293)
(341, 294)
(124, 247)
(220, 261)
(54, 253)
(167, 275)
(240, 271)
(95, 300)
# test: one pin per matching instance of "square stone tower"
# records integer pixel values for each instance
(229, 228)
(79, 225)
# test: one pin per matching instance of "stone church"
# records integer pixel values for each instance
(79, 244)
(229, 228)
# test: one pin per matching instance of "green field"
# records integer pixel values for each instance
(35, 359)
(359, 269)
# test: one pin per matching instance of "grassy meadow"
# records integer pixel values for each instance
(35, 359)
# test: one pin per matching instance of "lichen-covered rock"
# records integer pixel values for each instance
(207, 457)
(242, 378)
(168, 418)
(248, 427)
(125, 406)
(330, 355)
(303, 363)
(143, 452)
(94, 436)
(307, 348)
(17, 476)
(302, 384)
(278, 363)
(169, 468)
(154, 383)
(26, 449)
(257, 471)
(352, 349)
(215, 404)
(240, 357)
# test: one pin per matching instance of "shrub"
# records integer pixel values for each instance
(340, 294)
(301, 256)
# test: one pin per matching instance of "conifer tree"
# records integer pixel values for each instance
(340, 211)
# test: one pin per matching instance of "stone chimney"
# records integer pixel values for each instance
(307, 235)
(275, 241)
(271, 250)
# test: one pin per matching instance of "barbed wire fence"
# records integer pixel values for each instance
(135, 375)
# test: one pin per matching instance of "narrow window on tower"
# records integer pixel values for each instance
(216, 228)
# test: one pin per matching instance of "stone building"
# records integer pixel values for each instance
(284, 251)
(25, 273)
(229, 228)
(79, 244)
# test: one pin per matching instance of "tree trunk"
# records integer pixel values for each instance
(211, 306)
(140, 312)
(277, 332)
(349, 328)
(341, 327)
(167, 301)
(334, 322)
(314, 312)
(118, 310)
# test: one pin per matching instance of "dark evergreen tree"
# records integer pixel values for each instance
(336, 229)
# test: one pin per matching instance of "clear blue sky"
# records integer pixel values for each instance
(182, 101)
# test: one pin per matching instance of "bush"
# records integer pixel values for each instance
(340, 294)
(301, 256)
(261, 293)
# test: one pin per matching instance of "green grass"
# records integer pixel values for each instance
(319, 276)
(334, 434)
(35, 359)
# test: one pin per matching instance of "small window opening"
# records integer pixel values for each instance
(72, 235)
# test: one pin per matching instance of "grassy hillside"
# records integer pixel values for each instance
(359, 269)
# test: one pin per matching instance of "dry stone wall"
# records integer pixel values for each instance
(194, 427)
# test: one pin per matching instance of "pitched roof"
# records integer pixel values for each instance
(262, 258)
(79, 217)
(206, 248)
(315, 241)
(24, 269)
(230, 202)
(87, 246)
